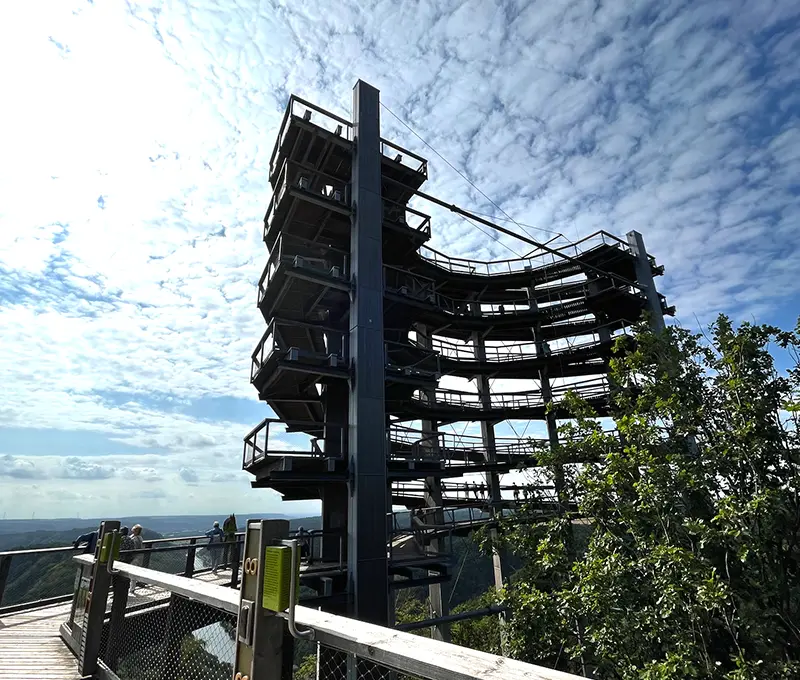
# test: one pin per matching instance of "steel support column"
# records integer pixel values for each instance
(490, 451)
(334, 496)
(644, 277)
(543, 350)
(438, 593)
(368, 502)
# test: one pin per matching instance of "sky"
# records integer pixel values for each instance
(134, 148)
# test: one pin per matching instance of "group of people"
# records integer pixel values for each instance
(131, 540)
(222, 543)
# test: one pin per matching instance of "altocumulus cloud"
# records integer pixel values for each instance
(188, 475)
(675, 118)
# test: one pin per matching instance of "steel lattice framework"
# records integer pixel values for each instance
(364, 320)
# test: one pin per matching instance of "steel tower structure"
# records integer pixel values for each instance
(363, 322)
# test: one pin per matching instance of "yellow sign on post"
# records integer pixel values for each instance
(259, 648)
(278, 573)
(110, 547)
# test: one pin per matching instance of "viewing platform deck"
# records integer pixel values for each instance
(31, 647)
(175, 626)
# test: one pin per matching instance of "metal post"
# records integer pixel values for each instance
(235, 563)
(262, 648)
(543, 352)
(95, 606)
(334, 523)
(368, 503)
(334, 496)
(559, 482)
(188, 569)
(438, 593)
(490, 451)
(116, 633)
(5, 568)
(644, 277)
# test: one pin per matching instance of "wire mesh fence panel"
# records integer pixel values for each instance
(210, 556)
(369, 670)
(172, 638)
(327, 663)
(38, 576)
(168, 561)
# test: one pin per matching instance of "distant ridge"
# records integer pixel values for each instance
(164, 524)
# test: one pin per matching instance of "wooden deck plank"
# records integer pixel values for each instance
(31, 648)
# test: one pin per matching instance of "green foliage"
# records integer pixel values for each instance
(307, 670)
(683, 557)
(39, 576)
(412, 605)
(481, 633)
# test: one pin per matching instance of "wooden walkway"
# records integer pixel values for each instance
(32, 649)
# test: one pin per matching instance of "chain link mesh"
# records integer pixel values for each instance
(164, 635)
(326, 663)
(39, 576)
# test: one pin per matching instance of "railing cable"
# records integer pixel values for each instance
(464, 177)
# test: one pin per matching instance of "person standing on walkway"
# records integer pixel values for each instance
(229, 528)
(126, 544)
(215, 538)
(138, 544)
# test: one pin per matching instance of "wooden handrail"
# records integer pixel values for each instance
(410, 654)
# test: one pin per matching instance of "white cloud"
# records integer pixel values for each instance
(76, 468)
(18, 468)
(188, 475)
(672, 118)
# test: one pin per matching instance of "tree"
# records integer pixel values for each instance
(690, 510)
(481, 633)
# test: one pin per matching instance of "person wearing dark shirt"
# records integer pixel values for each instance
(302, 542)
(89, 539)
(126, 544)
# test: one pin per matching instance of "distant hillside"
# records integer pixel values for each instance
(43, 575)
(54, 539)
(49, 575)
(167, 525)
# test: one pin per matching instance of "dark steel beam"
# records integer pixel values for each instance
(451, 618)
(644, 277)
(438, 593)
(541, 246)
(368, 503)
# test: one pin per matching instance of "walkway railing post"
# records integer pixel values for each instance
(5, 568)
(178, 626)
(236, 552)
(188, 570)
(116, 632)
(96, 604)
(263, 646)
